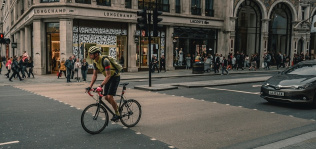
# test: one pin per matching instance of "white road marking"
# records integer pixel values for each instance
(256, 85)
(138, 133)
(254, 93)
(12, 142)
(153, 139)
(289, 141)
(171, 146)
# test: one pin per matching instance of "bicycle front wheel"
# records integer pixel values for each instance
(131, 113)
(94, 118)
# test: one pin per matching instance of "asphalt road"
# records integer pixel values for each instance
(28, 120)
(230, 116)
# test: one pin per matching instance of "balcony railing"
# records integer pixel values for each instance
(161, 7)
(104, 2)
(209, 12)
(49, 1)
(83, 1)
(195, 11)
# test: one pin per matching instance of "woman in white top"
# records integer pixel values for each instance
(77, 69)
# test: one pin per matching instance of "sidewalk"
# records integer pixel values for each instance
(143, 75)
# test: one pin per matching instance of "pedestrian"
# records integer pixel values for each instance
(24, 65)
(234, 64)
(15, 68)
(8, 66)
(154, 64)
(224, 66)
(74, 59)
(70, 67)
(30, 65)
(78, 69)
(188, 61)
(84, 69)
(253, 62)
(162, 63)
(62, 68)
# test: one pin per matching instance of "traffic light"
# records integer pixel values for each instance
(7, 40)
(2, 41)
(156, 20)
(142, 21)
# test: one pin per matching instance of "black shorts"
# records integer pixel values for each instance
(110, 88)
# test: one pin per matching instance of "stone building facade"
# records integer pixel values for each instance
(52, 30)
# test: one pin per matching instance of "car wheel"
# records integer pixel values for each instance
(314, 101)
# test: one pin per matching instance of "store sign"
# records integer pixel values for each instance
(14, 45)
(49, 11)
(118, 15)
(199, 21)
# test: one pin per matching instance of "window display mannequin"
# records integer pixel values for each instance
(180, 57)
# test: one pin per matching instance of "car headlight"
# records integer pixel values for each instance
(304, 86)
(266, 84)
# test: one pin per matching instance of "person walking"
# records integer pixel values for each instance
(30, 65)
(84, 69)
(78, 69)
(70, 67)
(8, 66)
(154, 64)
(224, 66)
(62, 68)
(74, 59)
(15, 68)
(162, 63)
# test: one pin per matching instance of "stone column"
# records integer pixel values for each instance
(131, 55)
(17, 40)
(65, 33)
(39, 47)
(172, 6)
(27, 40)
(186, 6)
(22, 39)
(169, 48)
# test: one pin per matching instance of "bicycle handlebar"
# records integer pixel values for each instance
(94, 90)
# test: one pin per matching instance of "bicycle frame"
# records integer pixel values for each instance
(100, 101)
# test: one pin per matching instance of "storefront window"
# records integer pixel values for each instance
(111, 37)
(104, 2)
(83, 1)
(49, 1)
(52, 47)
(142, 51)
(192, 42)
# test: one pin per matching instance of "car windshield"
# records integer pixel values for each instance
(302, 69)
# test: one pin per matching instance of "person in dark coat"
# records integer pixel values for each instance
(70, 66)
(162, 63)
(15, 68)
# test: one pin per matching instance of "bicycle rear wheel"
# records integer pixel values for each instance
(94, 118)
(131, 113)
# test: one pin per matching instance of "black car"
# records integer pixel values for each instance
(296, 84)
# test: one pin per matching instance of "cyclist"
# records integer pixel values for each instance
(111, 80)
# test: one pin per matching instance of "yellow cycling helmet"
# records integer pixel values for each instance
(94, 49)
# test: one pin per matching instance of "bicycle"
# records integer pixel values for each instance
(95, 117)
